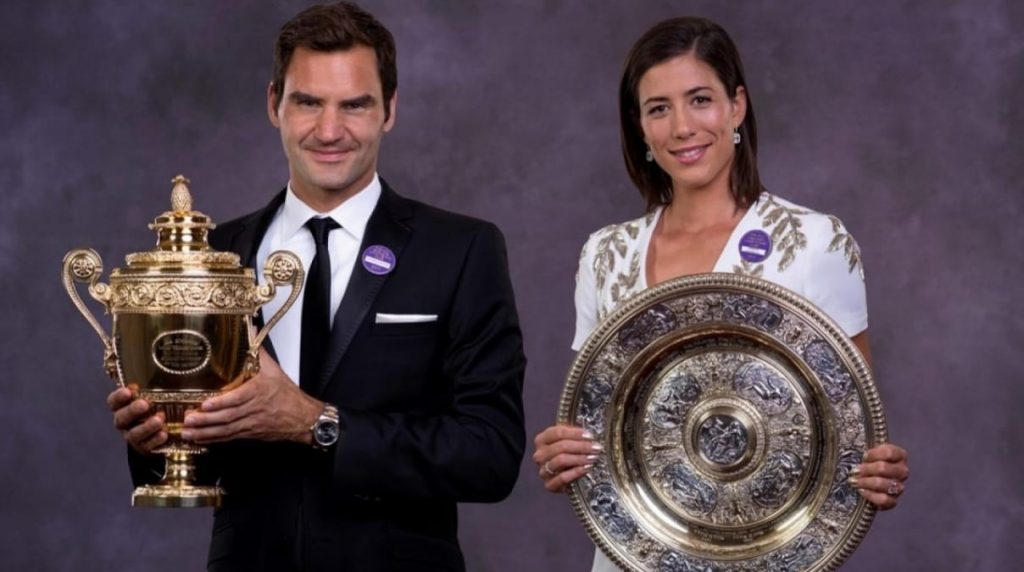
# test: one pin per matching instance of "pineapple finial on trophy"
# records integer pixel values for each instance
(181, 200)
(182, 229)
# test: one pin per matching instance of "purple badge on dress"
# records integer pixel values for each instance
(378, 259)
(755, 246)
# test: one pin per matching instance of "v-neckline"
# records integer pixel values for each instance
(649, 234)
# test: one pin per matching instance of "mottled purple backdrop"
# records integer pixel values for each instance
(903, 118)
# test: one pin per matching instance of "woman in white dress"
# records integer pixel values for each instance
(689, 139)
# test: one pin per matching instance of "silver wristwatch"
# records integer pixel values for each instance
(326, 429)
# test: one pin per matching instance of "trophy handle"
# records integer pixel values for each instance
(85, 265)
(282, 268)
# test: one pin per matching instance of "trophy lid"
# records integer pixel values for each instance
(182, 237)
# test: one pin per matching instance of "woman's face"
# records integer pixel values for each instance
(688, 122)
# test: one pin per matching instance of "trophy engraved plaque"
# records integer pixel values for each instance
(731, 411)
(182, 330)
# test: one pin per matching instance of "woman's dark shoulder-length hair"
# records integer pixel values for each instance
(711, 45)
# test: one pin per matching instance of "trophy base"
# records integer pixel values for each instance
(165, 496)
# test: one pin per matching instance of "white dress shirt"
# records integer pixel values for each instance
(288, 232)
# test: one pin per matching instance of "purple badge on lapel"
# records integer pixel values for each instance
(378, 259)
(755, 246)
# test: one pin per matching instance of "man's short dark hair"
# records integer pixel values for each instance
(336, 27)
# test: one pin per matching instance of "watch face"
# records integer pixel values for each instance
(326, 433)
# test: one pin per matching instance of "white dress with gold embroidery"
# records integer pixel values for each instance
(807, 252)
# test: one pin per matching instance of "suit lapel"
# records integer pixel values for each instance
(389, 226)
(246, 243)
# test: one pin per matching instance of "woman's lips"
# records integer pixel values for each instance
(689, 155)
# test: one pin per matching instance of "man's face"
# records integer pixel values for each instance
(332, 118)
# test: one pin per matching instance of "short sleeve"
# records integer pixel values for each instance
(835, 276)
(586, 297)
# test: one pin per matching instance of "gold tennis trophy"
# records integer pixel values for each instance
(182, 330)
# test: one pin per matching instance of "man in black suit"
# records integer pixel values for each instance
(394, 391)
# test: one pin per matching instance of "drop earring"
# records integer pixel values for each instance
(736, 137)
(649, 156)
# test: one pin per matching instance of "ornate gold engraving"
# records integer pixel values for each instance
(161, 295)
(210, 258)
(182, 329)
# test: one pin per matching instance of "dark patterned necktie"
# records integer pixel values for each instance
(316, 306)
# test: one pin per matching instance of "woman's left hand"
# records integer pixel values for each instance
(881, 477)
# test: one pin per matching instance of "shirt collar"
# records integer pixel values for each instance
(352, 215)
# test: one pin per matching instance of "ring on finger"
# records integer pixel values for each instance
(547, 469)
(895, 488)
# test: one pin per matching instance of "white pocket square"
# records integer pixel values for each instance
(405, 318)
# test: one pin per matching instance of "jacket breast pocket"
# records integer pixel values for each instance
(405, 328)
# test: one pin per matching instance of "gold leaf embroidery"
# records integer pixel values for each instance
(749, 269)
(612, 247)
(786, 234)
(619, 242)
(789, 245)
(604, 259)
(850, 248)
(788, 256)
(773, 217)
(627, 282)
(633, 229)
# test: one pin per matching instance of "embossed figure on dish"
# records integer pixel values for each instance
(686, 453)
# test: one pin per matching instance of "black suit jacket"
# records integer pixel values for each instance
(431, 413)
